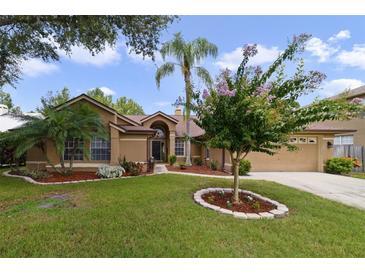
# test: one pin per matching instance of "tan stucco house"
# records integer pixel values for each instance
(140, 137)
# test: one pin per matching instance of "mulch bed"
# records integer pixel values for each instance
(248, 204)
(55, 177)
(197, 170)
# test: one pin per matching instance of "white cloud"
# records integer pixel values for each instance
(107, 91)
(320, 49)
(81, 55)
(35, 67)
(162, 104)
(333, 87)
(232, 60)
(138, 58)
(353, 58)
(342, 35)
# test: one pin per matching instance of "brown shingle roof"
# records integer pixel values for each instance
(326, 126)
(349, 94)
(180, 126)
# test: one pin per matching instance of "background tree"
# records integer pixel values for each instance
(253, 110)
(5, 99)
(188, 56)
(53, 99)
(43, 36)
(79, 124)
(128, 107)
(99, 95)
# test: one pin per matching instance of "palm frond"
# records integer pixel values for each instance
(202, 48)
(163, 71)
(175, 48)
(204, 75)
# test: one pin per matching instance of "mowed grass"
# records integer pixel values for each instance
(155, 216)
(360, 175)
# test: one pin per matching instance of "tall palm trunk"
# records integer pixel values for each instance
(188, 90)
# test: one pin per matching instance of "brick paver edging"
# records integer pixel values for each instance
(280, 211)
(30, 180)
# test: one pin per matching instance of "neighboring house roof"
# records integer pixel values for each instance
(97, 103)
(350, 94)
(9, 121)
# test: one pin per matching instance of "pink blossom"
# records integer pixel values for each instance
(205, 94)
(356, 101)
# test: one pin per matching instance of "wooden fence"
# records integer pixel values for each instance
(353, 151)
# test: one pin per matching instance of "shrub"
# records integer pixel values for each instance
(214, 165)
(198, 161)
(182, 165)
(106, 171)
(172, 160)
(34, 174)
(339, 165)
(245, 167)
(131, 168)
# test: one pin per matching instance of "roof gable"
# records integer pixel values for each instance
(98, 104)
(159, 113)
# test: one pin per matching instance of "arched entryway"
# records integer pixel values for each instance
(160, 142)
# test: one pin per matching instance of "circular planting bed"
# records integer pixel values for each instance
(252, 205)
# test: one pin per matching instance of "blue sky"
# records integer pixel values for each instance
(337, 49)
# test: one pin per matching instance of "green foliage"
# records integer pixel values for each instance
(131, 168)
(182, 165)
(99, 95)
(52, 100)
(172, 160)
(5, 99)
(45, 36)
(188, 55)
(81, 123)
(339, 165)
(127, 106)
(244, 168)
(213, 165)
(110, 171)
(34, 174)
(256, 110)
(198, 161)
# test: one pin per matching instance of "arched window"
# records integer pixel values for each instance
(160, 133)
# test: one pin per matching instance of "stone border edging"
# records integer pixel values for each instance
(30, 180)
(280, 212)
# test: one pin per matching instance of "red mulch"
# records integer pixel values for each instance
(197, 169)
(55, 177)
(246, 205)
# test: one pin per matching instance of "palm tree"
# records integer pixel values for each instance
(188, 56)
(81, 123)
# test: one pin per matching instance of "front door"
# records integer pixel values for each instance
(156, 150)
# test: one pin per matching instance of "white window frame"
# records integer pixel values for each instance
(100, 142)
(339, 140)
(180, 141)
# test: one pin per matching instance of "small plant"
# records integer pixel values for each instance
(182, 165)
(106, 171)
(221, 193)
(198, 161)
(245, 167)
(214, 165)
(131, 168)
(34, 174)
(341, 165)
(256, 205)
(172, 160)
(248, 199)
(229, 204)
(210, 199)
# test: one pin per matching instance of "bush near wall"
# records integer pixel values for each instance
(339, 165)
(244, 168)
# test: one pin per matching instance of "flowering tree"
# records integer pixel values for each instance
(252, 110)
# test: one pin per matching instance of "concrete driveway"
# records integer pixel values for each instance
(346, 190)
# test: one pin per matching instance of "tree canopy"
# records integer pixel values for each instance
(44, 36)
(53, 99)
(123, 104)
(256, 110)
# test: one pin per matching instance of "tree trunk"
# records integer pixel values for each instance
(188, 92)
(235, 159)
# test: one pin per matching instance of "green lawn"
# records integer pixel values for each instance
(360, 175)
(155, 216)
